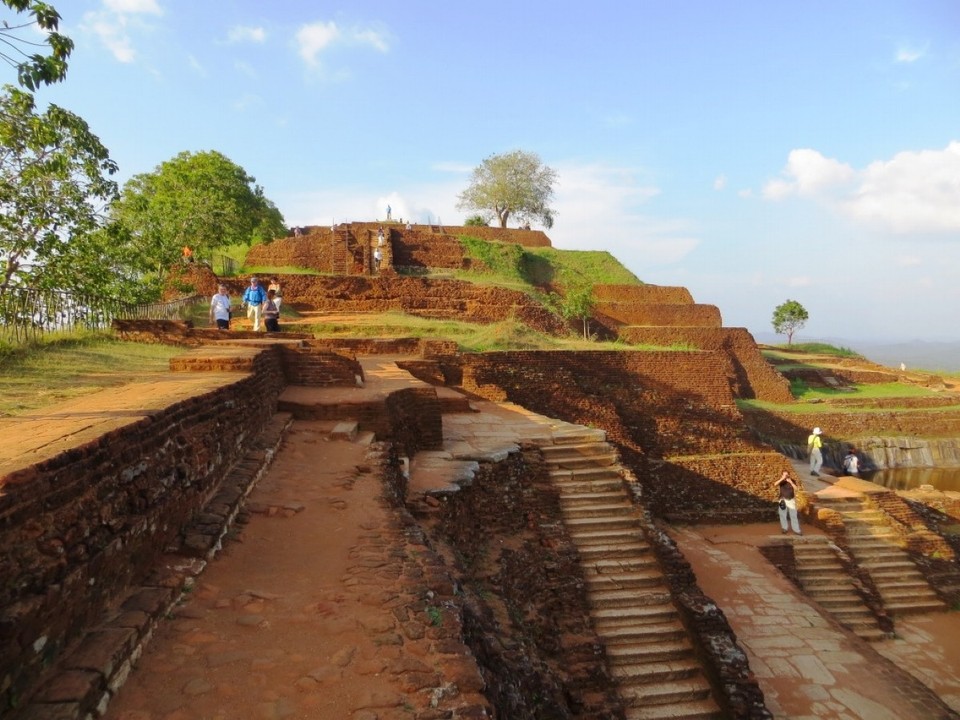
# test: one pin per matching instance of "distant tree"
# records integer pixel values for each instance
(475, 221)
(514, 184)
(202, 201)
(54, 189)
(789, 317)
(18, 39)
(577, 304)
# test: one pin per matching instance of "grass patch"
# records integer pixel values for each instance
(58, 368)
(807, 396)
(789, 353)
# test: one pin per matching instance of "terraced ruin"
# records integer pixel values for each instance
(372, 527)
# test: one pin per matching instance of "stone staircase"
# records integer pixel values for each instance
(875, 547)
(825, 580)
(647, 647)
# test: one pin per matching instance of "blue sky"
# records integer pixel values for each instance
(752, 151)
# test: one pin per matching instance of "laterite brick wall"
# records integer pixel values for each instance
(84, 524)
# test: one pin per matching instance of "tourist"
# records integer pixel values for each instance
(851, 463)
(220, 308)
(409, 225)
(254, 297)
(380, 236)
(389, 212)
(275, 286)
(377, 257)
(271, 312)
(814, 445)
(187, 254)
(787, 490)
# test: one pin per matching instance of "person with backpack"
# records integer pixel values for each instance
(814, 443)
(271, 312)
(254, 297)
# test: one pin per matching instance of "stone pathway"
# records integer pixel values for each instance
(808, 666)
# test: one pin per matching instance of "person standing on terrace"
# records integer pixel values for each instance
(220, 308)
(816, 455)
(254, 297)
(787, 506)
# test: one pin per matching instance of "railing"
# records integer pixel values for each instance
(28, 313)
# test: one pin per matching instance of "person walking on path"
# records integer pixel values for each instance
(814, 445)
(220, 308)
(275, 286)
(271, 312)
(254, 297)
(787, 506)
(377, 257)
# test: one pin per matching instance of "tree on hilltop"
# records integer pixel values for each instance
(788, 317)
(54, 189)
(199, 200)
(16, 40)
(514, 184)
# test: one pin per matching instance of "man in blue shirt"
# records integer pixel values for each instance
(254, 297)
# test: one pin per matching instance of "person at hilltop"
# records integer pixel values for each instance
(220, 308)
(787, 506)
(271, 312)
(851, 463)
(814, 445)
(254, 297)
(389, 213)
(409, 225)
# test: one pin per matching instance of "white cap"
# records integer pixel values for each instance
(816, 431)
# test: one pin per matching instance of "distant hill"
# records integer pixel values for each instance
(916, 355)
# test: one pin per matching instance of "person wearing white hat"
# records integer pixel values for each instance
(816, 455)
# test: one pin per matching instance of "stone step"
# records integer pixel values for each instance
(599, 510)
(917, 607)
(648, 652)
(344, 430)
(624, 581)
(820, 568)
(604, 599)
(670, 692)
(859, 532)
(650, 632)
(907, 591)
(626, 551)
(588, 449)
(891, 568)
(617, 496)
(610, 484)
(603, 523)
(617, 617)
(579, 436)
(697, 710)
(841, 604)
(606, 537)
(832, 590)
(657, 671)
(581, 461)
(586, 473)
(613, 566)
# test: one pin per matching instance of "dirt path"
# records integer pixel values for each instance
(294, 619)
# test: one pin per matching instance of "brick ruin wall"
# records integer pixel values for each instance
(420, 296)
(794, 428)
(83, 525)
(419, 249)
(612, 315)
(751, 375)
(316, 367)
(642, 294)
(671, 414)
(526, 238)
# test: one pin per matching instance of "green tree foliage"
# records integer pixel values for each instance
(199, 200)
(514, 184)
(577, 304)
(54, 188)
(788, 317)
(18, 39)
(475, 221)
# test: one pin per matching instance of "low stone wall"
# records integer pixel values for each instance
(612, 315)
(415, 248)
(415, 418)
(792, 428)
(313, 251)
(750, 374)
(83, 525)
(315, 367)
(642, 294)
(410, 346)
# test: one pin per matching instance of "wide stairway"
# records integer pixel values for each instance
(875, 548)
(647, 647)
(825, 580)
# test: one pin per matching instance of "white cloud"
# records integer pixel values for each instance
(720, 182)
(113, 22)
(242, 33)
(133, 7)
(908, 54)
(908, 261)
(246, 69)
(914, 192)
(800, 281)
(313, 39)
